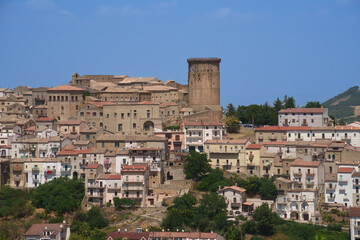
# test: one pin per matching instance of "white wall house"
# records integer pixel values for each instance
(198, 132)
(354, 213)
(314, 117)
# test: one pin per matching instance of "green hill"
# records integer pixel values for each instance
(346, 105)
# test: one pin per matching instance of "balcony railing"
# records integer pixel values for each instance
(36, 180)
(95, 185)
(17, 169)
(331, 199)
(35, 169)
(17, 179)
(50, 171)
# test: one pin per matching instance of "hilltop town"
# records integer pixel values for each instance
(129, 141)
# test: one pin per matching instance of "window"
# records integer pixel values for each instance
(122, 115)
(115, 115)
(117, 144)
(81, 114)
(134, 125)
(119, 127)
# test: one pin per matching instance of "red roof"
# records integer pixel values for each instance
(134, 168)
(145, 149)
(203, 123)
(114, 177)
(43, 119)
(92, 166)
(346, 128)
(32, 128)
(69, 151)
(147, 103)
(226, 141)
(345, 170)
(165, 104)
(65, 88)
(277, 128)
(128, 235)
(303, 110)
(354, 211)
(275, 143)
(70, 122)
(5, 146)
(301, 163)
(253, 146)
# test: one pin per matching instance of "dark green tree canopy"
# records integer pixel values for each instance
(196, 165)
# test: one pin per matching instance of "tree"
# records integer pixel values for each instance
(196, 165)
(289, 102)
(268, 189)
(278, 105)
(60, 195)
(95, 219)
(213, 180)
(233, 234)
(232, 124)
(265, 220)
(230, 111)
(313, 104)
(121, 203)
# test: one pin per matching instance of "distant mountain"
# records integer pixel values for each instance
(346, 105)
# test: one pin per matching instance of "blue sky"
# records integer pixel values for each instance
(306, 49)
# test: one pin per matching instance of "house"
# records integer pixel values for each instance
(184, 235)
(198, 132)
(314, 117)
(344, 186)
(128, 235)
(135, 183)
(56, 231)
(47, 123)
(71, 127)
(298, 204)
(330, 187)
(252, 159)
(94, 189)
(235, 200)
(307, 174)
(354, 214)
(227, 154)
(175, 139)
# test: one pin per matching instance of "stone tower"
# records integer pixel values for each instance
(204, 84)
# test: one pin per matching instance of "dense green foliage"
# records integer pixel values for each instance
(253, 185)
(340, 105)
(87, 225)
(14, 203)
(196, 165)
(172, 128)
(262, 114)
(60, 195)
(210, 215)
(232, 124)
(122, 203)
(314, 104)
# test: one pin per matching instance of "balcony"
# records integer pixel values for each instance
(297, 174)
(95, 185)
(133, 188)
(235, 204)
(332, 188)
(35, 169)
(310, 174)
(17, 179)
(17, 168)
(304, 124)
(343, 181)
(115, 187)
(331, 199)
(107, 162)
(66, 170)
(250, 164)
(43, 148)
(94, 195)
(92, 176)
(50, 171)
(83, 165)
(357, 184)
(35, 180)
(24, 148)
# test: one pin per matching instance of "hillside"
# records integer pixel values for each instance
(346, 105)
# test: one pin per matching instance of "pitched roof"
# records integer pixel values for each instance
(101, 104)
(301, 163)
(69, 151)
(134, 168)
(278, 128)
(303, 110)
(70, 122)
(39, 228)
(92, 166)
(183, 235)
(235, 188)
(356, 174)
(354, 211)
(345, 170)
(253, 146)
(203, 123)
(65, 88)
(166, 104)
(129, 235)
(43, 119)
(226, 141)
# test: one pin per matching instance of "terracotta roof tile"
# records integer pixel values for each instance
(345, 170)
(65, 88)
(92, 166)
(129, 235)
(354, 211)
(301, 163)
(227, 141)
(43, 119)
(253, 146)
(38, 229)
(236, 188)
(303, 110)
(203, 123)
(134, 168)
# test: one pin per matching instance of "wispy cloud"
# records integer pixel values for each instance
(220, 13)
(66, 13)
(107, 10)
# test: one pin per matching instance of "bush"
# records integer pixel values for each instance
(334, 227)
(249, 227)
(60, 195)
(14, 202)
(58, 219)
(335, 211)
(121, 203)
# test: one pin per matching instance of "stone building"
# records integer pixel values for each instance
(175, 139)
(313, 117)
(204, 87)
(39, 96)
(63, 101)
(92, 113)
(132, 118)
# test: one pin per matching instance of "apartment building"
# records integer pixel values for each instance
(41, 170)
(135, 180)
(169, 112)
(140, 118)
(354, 214)
(46, 123)
(175, 139)
(330, 187)
(228, 155)
(38, 96)
(92, 113)
(298, 204)
(63, 101)
(307, 174)
(344, 188)
(94, 187)
(252, 159)
(71, 127)
(313, 117)
(198, 132)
